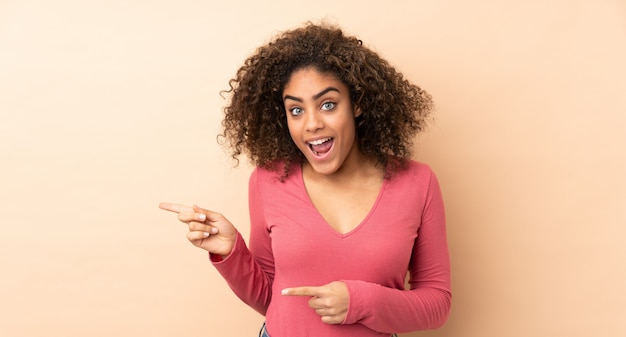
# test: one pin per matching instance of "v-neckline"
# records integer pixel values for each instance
(325, 222)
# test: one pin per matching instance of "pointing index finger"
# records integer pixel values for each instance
(301, 291)
(176, 208)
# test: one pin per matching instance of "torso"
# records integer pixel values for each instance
(295, 246)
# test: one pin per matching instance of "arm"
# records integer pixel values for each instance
(426, 305)
(250, 272)
(212, 232)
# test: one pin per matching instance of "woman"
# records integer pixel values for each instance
(339, 212)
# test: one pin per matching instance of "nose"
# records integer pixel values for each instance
(314, 121)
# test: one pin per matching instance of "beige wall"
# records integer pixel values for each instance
(109, 107)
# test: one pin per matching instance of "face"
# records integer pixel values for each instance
(320, 117)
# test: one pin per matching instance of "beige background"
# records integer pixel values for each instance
(109, 107)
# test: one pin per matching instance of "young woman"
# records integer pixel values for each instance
(339, 212)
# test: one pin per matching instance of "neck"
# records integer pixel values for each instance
(356, 170)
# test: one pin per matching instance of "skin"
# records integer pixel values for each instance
(318, 107)
(208, 230)
(342, 183)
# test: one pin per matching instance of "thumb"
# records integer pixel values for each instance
(199, 209)
(210, 215)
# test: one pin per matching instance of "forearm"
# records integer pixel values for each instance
(391, 310)
(245, 277)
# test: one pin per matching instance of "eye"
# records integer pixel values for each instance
(296, 111)
(328, 106)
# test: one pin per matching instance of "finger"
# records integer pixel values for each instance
(200, 227)
(176, 208)
(210, 215)
(332, 319)
(197, 235)
(318, 303)
(301, 291)
(191, 216)
(324, 311)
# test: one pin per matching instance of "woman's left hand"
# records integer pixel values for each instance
(330, 301)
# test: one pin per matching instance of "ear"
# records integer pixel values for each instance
(357, 111)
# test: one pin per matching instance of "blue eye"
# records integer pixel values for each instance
(328, 106)
(296, 111)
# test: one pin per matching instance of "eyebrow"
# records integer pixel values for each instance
(315, 97)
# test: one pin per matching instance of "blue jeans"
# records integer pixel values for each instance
(263, 332)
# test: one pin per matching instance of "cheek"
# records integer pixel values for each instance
(293, 131)
(291, 127)
(349, 127)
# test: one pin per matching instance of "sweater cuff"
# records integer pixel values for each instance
(357, 308)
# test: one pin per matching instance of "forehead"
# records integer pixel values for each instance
(312, 80)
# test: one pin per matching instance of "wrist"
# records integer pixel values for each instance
(223, 254)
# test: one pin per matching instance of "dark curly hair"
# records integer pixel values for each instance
(255, 121)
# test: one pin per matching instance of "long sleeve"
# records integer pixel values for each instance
(250, 272)
(426, 305)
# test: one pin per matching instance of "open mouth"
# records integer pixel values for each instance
(319, 147)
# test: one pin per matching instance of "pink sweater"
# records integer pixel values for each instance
(291, 245)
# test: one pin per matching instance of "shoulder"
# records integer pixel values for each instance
(415, 176)
(267, 184)
(416, 182)
(415, 170)
(272, 174)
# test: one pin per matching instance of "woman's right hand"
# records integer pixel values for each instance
(208, 230)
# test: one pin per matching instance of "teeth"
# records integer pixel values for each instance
(319, 141)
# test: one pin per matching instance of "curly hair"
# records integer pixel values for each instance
(255, 122)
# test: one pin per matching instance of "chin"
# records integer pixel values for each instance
(325, 168)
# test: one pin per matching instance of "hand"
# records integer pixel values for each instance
(330, 301)
(208, 230)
